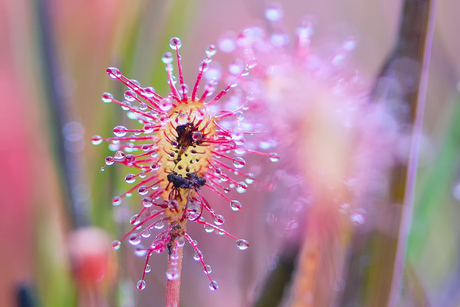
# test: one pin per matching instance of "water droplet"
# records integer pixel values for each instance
(184, 88)
(130, 95)
(274, 13)
(119, 155)
(159, 224)
(135, 220)
(142, 106)
(211, 50)
(239, 115)
(173, 80)
(250, 178)
(358, 217)
(146, 233)
(135, 239)
(141, 284)
(147, 202)
(149, 91)
(175, 43)
(143, 190)
(242, 244)
(120, 131)
(116, 201)
(107, 97)
(213, 285)
(130, 178)
(242, 187)
(197, 255)
(251, 63)
(172, 273)
(113, 72)
(116, 244)
(109, 160)
(180, 241)
(167, 58)
(96, 140)
(196, 136)
(235, 205)
(274, 157)
(148, 268)
(166, 104)
(236, 67)
(140, 251)
(207, 269)
(208, 228)
(126, 105)
(227, 45)
(219, 219)
(239, 162)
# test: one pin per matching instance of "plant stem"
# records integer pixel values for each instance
(173, 286)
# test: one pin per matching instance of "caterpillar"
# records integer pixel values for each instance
(179, 151)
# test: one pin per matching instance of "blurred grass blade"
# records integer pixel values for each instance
(377, 258)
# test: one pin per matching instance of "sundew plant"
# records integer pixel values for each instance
(182, 144)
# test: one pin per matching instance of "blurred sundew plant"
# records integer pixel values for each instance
(351, 151)
(177, 150)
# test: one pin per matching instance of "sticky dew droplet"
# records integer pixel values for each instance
(207, 269)
(113, 72)
(96, 140)
(116, 244)
(141, 284)
(213, 285)
(235, 205)
(130, 178)
(274, 157)
(107, 97)
(239, 162)
(175, 43)
(116, 200)
(242, 244)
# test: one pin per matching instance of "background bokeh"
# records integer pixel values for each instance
(77, 41)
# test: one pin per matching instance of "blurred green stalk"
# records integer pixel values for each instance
(378, 283)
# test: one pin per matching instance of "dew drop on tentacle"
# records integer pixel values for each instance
(175, 43)
(113, 72)
(116, 201)
(167, 58)
(242, 187)
(147, 202)
(213, 285)
(239, 162)
(96, 140)
(107, 97)
(207, 269)
(116, 244)
(219, 219)
(130, 178)
(140, 251)
(134, 239)
(274, 157)
(242, 244)
(141, 284)
(211, 50)
(148, 268)
(235, 205)
(250, 178)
